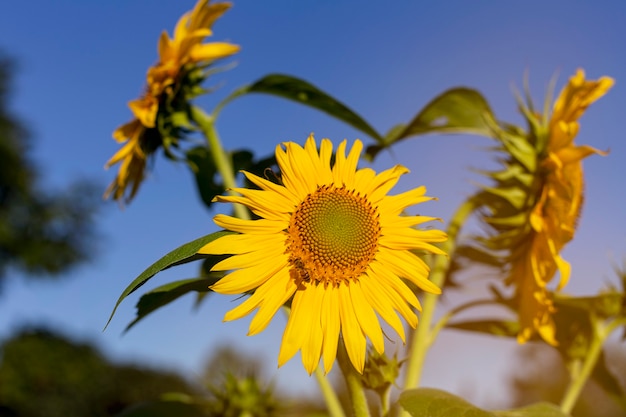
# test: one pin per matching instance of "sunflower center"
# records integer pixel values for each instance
(333, 236)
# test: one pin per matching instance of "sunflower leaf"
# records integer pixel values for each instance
(183, 254)
(507, 328)
(533, 410)
(430, 402)
(303, 92)
(459, 110)
(167, 293)
(202, 165)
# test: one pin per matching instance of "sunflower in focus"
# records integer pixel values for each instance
(535, 205)
(171, 83)
(331, 241)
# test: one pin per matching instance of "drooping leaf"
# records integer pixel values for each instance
(507, 328)
(183, 254)
(167, 293)
(603, 376)
(303, 92)
(534, 410)
(430, 402)
(459, 110)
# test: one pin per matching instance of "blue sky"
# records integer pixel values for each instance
(80, 62)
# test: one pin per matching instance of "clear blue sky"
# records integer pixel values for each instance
(81, 61)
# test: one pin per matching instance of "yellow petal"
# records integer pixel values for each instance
(353, 336)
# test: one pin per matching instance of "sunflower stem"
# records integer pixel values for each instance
(353, 381)
(222, 160)
(424, 336)
(332, 402)
(579, 379)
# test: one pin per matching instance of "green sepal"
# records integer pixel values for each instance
(517, 220)
(514, 195)
(181, 255)
(520, 149)
(303, 92)
(430, 402)
(512, 173)
(459, 110)
(169, 292)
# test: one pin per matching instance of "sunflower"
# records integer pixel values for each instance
(186, 47)
(555, 216)
(536, 203)
(168, 82)
(331, 241)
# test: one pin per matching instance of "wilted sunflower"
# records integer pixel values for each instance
(333, 242)
(537, 200)
(171, 82)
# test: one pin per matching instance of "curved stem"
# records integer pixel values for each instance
(601, 332)
(222, 161)
(578, 381)
(423, 337)
(332, 402)
(353, 381)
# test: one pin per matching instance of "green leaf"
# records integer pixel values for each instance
(607, 380)
(430, 402)
(505, 328)
(459, 110)
(202, 165)
(303, 92)
(183, 254)
(534, 410)
(169, 292)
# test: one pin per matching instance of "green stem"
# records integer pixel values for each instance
(579, 379)
(423, 337)
(384, 402)
(332, 402)
(221, 159)
(353, 381)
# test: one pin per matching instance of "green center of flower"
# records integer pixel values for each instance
(333, 236)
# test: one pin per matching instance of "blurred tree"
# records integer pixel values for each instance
(42, 231)
(44, 374)
(541, 376)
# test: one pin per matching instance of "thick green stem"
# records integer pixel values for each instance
(332, 402)
(423, 337)
(221, 159)
(353, 381)
(384, 402)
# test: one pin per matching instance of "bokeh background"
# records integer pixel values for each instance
(80, 62)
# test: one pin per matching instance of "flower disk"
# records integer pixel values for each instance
(333, 236)
(333, 242)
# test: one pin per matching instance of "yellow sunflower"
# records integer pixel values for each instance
(186, 47)
(331, 241)
(554, 217)
(132, 156)
(177, 55)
